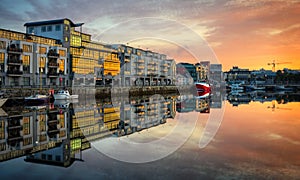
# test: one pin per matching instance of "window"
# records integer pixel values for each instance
(27, 48)
(2, 146)
(57, 158)
(26, 60)
(2, 55)
(62, 53)
(49, 28)
(49, 157)
(62, 65)
(66, 39)
(26, 81)
(57, 28)
(42, 50)
(2, 45)
(43, 156)
(66, 28)
(27, 141)
(43, 28)
(31, 30)
(26, 69)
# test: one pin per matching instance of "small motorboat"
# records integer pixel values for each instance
(64, 94)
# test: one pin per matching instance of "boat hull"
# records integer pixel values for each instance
(61, 96)
(203, 88)
(37, 100)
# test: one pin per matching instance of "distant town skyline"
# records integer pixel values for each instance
(248, 34)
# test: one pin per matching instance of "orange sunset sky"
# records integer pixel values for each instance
(244, 33)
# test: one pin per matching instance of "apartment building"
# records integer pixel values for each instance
(28, 60)
(144, 68)
(90, 62)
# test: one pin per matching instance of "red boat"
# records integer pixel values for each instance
(202, 88)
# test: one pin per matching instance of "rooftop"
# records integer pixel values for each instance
(55, 21)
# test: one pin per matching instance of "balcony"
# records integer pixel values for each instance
(52, 74)
(140, 67)
(13, 49)
(52, 54)
(53, 64)
(140, 61)
(14, 73)
(14, 61)
(126, 60)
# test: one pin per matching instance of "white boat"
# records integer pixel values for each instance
(64, 94)
(2, 101)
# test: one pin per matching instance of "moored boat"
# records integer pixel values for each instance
(64, 94)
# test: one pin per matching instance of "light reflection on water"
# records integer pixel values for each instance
(258, 138)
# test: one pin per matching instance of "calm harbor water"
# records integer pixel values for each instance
(225, 136)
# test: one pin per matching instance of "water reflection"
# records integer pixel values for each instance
(56, 134)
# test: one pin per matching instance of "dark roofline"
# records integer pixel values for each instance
(25, 34)
(55, 21)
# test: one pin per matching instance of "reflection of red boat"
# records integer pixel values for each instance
(202, 88)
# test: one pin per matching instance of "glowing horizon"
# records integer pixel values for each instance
(247, 34)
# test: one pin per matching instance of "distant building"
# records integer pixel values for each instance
(144, 68)
(237, 74)
(32, 61)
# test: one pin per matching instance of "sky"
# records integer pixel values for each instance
(245, 33)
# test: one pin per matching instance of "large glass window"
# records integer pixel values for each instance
(62, 53)
(26, 60)
(27, 48)
(57, 27)
(62, 65)
(26, 81)
(2, 55)
(26, 125)
(43, 28)
(75, 40)
(49, 28)
(42, 50)
(2, 45)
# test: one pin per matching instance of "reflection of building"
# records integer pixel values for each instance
(30, 60)
(202, 105)
(185, 74)
(202, 70)
(186, 103)
(91, 62)
(26, 132)
(55, 135)
(215, 74)
(139, 114)
(143, 67)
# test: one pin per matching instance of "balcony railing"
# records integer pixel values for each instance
(53, 74)
(53, 64)
(14, 50)
(14, 73)
(14, 61)
(52, 54)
